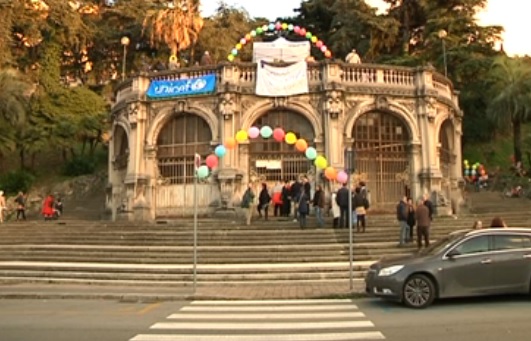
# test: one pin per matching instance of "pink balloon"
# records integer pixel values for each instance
(324, 48)
(319, 44)
(278, 26)
(279, 134)
(243, 41)
(212, 161)
(297, 29)
(253, 132)
(342, 177)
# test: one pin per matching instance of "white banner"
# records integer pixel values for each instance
(277, 81)
(281, 50)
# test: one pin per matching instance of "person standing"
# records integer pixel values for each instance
(411, 220)
(422, 215)
(360, 205)
(20, 200)
(296, 189)
(353, 57)
(286, 200)
(303, 205)
(206, 59)
(3, 206)
(336, 211)
(342, 202)
(428, 204)
(247, 204)
(263, 202)
(318, 204)
(277, 199)
(401, 216)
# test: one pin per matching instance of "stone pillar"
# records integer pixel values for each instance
(415, 170)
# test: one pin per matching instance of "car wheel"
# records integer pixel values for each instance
(419, 292)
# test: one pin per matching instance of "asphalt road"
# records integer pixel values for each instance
(505, 318)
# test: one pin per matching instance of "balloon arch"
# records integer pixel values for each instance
(279, 27)
(279, 135)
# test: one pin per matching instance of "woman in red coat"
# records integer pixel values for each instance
(47, 207)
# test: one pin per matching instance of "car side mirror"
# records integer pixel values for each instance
(453, 253)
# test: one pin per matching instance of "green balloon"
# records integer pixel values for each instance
(202, 172)
(259, 30)
(309, 35)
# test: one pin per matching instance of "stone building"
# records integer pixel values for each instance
(404, 124)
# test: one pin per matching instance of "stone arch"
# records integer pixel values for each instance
(392, 108)
(167, 113)
(440, 121)
(261, 108)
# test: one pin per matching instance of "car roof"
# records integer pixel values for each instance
(498, 230)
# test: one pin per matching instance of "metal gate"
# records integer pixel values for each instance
(382, 156)
(271, 161)
(178, 142)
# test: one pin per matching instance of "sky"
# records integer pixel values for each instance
(513, 15)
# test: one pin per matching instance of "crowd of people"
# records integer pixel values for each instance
(52, 207)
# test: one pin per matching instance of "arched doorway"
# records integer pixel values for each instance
(120, 149)
(271, 161)
(180, 139)
(381, 143)
(446, 156)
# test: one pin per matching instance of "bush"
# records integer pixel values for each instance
(15, 181)
(79, 166)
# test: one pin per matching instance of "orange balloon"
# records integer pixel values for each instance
(230, 143)
(301, 145)
(330, 173)
(328, 54)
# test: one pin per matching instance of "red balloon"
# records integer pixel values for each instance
(302, 32)
(212, 161)
(279, 134)
(319, 44)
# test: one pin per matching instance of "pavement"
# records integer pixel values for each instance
(177, 293)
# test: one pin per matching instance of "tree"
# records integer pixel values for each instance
(14, 94)
(511, 97)
(176, 23)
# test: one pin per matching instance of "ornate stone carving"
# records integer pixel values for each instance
(150, 151)
(280, 102)
(226, 106)
(180, 107)
(403, 177)
(381, 102)
(430, 107)
(334, 104)
(132, 113)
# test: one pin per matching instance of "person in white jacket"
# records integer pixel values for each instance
(336, 212)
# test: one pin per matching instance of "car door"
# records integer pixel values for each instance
(466, 268)
(511, 262)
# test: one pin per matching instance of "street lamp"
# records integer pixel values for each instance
(125, 42)
(442, 35)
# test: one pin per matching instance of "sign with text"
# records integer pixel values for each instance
(182, 87)
(275, 81)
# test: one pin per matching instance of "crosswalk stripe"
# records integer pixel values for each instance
(269, 337)
(263, 325)
(275, 302)
(293, 308)
(276, 316)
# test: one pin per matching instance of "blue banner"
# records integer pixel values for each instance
(182, 87)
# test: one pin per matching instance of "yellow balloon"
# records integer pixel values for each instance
(314, 39)
(239, 46)
(241, 136)
(320, 162)
(290, 138)
(230, 58)
(284, 26)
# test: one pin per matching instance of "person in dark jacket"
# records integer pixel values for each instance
(263, 202)
(422, 215)
(296, 189)
(411, 220)
(342, 202)
(286, 199)
(428, 204)
(360, 204)
(401, 216)
(303, 206)
(318, 204)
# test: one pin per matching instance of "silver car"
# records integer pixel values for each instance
(463, 264)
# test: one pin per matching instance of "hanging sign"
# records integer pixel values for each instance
(284, 81)
(182, 87)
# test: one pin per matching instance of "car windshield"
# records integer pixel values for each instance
(443, 243)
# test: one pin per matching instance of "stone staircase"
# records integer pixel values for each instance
(228, 253)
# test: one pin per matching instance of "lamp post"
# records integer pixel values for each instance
(442, 35)
(125, 42)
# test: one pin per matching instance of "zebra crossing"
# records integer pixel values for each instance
(265, 320)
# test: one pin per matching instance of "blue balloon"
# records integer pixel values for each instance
(220, 151)
(271, 27)
(266, 132)
(311, 153)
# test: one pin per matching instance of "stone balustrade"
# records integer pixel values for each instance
(321, 75)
